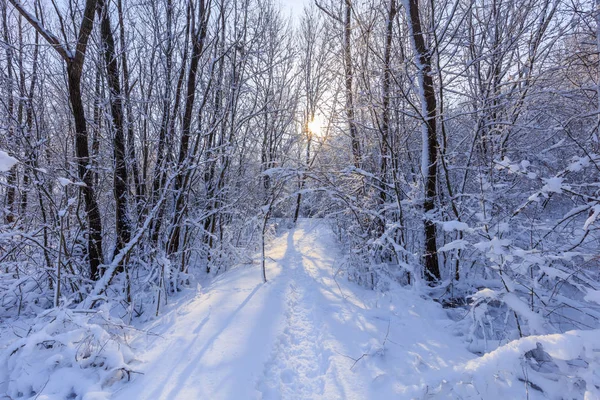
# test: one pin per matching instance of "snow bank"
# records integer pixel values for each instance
(6, 161)
(556, 366)
(552, 366)
(66, 356)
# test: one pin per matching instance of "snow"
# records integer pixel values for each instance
(456, 244)
(64, 181)
(536, 367)
(536, 322)
(66, 355)
(513, 167)
(495, 246)
(308, 333)
(486, 293)
(593, 216)
(553, 185)
(299, 336)
(593, 295)
(578, 164)
(450, 226)
(534, 197)
(6, 161)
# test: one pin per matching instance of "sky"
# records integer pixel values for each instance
(294, 6)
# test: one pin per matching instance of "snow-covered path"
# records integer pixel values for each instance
(303, 335)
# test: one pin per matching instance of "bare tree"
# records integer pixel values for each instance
(74, 59)
(430, 143)
(120, 180)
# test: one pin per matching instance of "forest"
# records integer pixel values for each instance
(151, 147)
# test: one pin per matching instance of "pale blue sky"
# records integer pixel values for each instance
(294, 6)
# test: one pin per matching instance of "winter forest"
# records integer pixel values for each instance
(356, 199)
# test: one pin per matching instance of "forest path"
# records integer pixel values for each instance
(305, 334)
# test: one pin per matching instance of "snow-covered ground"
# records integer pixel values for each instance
(308, 333)
(303, 335)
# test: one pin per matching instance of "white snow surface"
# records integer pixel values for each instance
(456, 244)
(64, 181)
(553, 185)
(450, 226)
(308, 333)
(299, 336)
(6, 161)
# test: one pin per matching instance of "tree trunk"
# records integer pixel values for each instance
(131, 156)
(11, 178)
(83, 161)
(198, 38)
(385, 103)
(160, 166)
(74, 60)
(429, 156)
(122, 223)
(303, 176)
(356, 153)
(597, 130)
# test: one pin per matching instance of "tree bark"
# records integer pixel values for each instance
(160, 165)
(83, 161)
(11, 178)
(430, 145)
(128, 122)
(74, 60)
(385, 103)
(198, 38)
(122, 222)
(356, 152)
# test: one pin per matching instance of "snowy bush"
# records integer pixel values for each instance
(67, 355)
(556, 366)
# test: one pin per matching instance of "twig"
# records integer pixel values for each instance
(359, 358)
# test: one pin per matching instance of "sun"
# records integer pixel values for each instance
(315, 126)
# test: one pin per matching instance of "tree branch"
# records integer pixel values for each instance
(326, 11)
(51, 38)
(85, 29)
